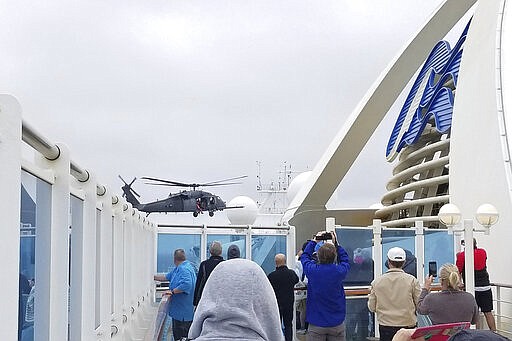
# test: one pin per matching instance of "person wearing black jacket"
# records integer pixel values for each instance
(283, 281)
(206, 268)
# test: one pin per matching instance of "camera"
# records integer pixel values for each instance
(324, 235)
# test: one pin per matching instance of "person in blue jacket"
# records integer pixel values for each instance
(182, 281)
(325, 301)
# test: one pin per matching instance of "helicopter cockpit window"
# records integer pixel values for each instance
(212, 200)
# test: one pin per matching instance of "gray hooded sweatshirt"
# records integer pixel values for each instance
(238, 303)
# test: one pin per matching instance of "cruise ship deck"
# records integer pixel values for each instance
(79, 261)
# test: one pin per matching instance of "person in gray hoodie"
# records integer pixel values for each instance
(238, 303)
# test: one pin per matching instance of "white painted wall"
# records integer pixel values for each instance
(477, 166)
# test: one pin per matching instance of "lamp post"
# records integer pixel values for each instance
(486, 215)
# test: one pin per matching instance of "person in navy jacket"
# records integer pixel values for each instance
(325, 294)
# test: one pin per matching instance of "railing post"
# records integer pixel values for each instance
(469, 257)
(290, 260)
(204, 243)
(330, 224)
(10, 184)
(128, 228)
(291, 247)
(148, 264)
(105, 262)
(83, 272)
(420, 250)
(377, 248)
(248, 243)
(155, 259)
(377, 257)
(52, 256)
(498, 307)
(117, 266)
(80, 280)
(134, 263)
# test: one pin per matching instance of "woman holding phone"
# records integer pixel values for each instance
(450, 304)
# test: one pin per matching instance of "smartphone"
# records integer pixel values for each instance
(432, 269)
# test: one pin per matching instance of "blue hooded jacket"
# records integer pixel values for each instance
(326, 295)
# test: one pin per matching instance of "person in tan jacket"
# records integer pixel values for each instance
(394, 297)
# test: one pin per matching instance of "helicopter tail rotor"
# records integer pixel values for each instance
(128, 187)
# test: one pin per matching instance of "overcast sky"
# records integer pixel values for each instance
(198, 91)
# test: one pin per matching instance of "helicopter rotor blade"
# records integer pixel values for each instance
(120, 177)
(175, 183)
(137, 194)
(197, 185)
(224, 184)
(228, 179)
(163, 184)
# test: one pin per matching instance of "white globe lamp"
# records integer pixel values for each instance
(487, 215)
(449, 215)
(246, 214)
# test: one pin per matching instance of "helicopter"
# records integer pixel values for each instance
(195, 201)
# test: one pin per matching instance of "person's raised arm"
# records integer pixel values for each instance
(423, 306)
(307, 257)
(343, 260)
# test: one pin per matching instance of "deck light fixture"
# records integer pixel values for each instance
(486, 215)
(449, 215)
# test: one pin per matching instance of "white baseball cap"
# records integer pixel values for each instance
(396, 254)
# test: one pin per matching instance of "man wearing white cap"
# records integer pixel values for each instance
(394, 297)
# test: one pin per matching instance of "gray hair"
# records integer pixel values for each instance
(215, 248)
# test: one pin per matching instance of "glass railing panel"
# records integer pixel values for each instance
(264, 248)
(358, 244)
(439, 248)
(166, 245)
(226, 240)
(76, 224)
(35, 215)
(406, 240)
(359, 323)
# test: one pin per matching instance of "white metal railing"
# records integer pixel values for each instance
(113, 253)
(503, 308)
